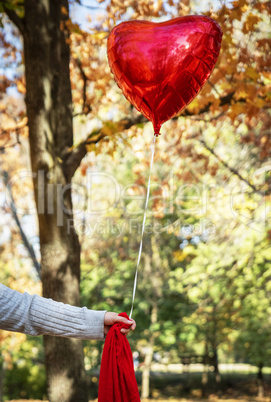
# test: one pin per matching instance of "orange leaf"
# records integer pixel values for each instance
(240, 92)
(252, 73)
(64, 10)
(21, 87)
(250, 22)
(236, 109)
(215, 105)
(259, 102)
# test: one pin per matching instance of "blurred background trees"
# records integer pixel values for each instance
(204, 282)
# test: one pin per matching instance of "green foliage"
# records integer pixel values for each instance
(14, 5)
(26, 377)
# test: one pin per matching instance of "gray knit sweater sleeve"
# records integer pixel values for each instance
(35, 315)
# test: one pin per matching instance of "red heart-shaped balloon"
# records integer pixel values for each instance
(161, 67)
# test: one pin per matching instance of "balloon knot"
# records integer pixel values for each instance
(156, 134)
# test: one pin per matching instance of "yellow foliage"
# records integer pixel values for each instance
(240, 3)
(181, 255)
(21, 87)
(64, 10)
(236, 109)
(241, 92)
(267, 75)
(246, 92)
(90, 147)
(215, 105)
(259, 102)
(194, 106)
(252, 73)
(100, 35)
(251, 20)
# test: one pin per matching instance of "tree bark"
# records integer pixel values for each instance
(49, 111)
(204, 378)
(145, 390)
(153, 267)
(216, 367)
(260, 381)
(1, 379)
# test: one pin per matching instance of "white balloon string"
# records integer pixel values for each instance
(143, 225)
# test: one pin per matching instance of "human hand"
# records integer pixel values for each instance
(111, 318)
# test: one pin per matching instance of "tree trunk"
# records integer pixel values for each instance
(204, 378)
(216, 368)
(214, 345)
(49, 111)
(1, 379)
(145, 389)
(260, 381)
(154, 278)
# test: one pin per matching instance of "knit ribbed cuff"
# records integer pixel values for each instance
(94, 324)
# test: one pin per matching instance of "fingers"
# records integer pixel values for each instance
(125, 331)
(133, 326)
(130, 322)
(111, 318)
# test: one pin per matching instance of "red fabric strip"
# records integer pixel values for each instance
(117, 382)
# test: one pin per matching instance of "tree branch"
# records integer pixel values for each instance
(224, 100)
(23, 235)
(85, 108)
(73, 159)
(8, 146)
(231, 169)
(4, 132)
(208, 120)
(13, 16)
(91, 7)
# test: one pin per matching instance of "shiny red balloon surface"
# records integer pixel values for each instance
(161, 67)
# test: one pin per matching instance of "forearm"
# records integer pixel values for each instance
(35, 315)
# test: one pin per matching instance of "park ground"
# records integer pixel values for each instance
(237, 387)
(210, 399)
(187, 387)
